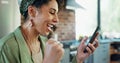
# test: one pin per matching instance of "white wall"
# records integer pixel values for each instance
(9, 16)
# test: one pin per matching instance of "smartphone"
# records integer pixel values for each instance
(95, 34)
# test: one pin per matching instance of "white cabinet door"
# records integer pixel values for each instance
(102, 54)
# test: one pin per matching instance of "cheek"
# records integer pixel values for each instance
(42, 26)
(42, 22)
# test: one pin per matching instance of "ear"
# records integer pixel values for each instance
(31, 11)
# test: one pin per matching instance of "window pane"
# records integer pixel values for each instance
(86, 19)
(110, 18)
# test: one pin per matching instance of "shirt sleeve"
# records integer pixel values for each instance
(74, 60)
(7, 55)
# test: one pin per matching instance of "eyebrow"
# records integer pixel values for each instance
(53, 9)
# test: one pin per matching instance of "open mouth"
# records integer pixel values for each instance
(51, 27)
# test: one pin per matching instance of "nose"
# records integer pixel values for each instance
(56, 19)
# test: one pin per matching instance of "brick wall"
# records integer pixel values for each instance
(66, 26)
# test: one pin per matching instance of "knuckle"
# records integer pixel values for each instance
(61, 51)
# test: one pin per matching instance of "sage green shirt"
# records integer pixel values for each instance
(13, 48)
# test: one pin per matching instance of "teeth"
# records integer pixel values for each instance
(50, 25)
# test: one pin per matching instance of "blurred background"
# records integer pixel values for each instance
(78, 18)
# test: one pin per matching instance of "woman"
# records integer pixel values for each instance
(28, 43)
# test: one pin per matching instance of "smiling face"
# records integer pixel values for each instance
(45, 18)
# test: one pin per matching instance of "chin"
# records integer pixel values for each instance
(46, 34)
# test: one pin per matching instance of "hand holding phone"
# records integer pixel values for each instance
(92, 39)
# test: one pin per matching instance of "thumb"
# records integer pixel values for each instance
(82, 43)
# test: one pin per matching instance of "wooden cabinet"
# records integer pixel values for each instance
(115, 52)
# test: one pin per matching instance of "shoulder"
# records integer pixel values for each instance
(9, 49)
(8, 41)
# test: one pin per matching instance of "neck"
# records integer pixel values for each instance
(29, 33)
(31, 38)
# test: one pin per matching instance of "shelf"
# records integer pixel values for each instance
(115, 52)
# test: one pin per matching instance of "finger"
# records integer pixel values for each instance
(97, 34)
(59, 47)
(60, 44)
(51, 41)
(96, 44)
(61, 52)
(92, 47)
(82, 45)
(84, 40)
(88, 50)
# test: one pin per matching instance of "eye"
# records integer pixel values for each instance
(52, 11)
